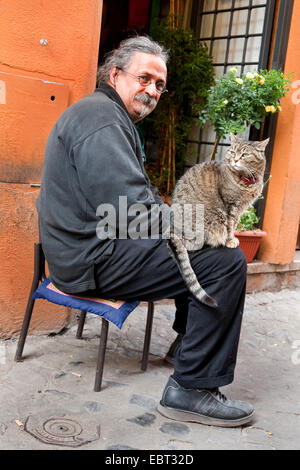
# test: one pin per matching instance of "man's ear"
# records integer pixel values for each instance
(113, 74)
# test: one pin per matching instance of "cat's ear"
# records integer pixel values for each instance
(234, 139)
(262, 145)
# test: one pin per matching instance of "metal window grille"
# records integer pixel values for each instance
(238, 34)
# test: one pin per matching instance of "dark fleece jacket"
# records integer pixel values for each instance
(93, 156)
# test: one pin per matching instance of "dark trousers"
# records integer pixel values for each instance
(144, 270)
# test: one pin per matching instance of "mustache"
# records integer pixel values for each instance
(148, 100)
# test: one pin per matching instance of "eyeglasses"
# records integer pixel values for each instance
(146, 80)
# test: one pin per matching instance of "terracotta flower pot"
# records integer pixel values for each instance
(249, 243)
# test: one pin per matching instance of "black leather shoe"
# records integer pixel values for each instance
(203, 406)
(173, 348)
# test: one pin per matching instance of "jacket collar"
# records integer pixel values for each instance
(111, 93)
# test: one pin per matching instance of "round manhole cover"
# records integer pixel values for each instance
(61, 431)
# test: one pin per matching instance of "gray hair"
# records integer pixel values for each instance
(121, 57)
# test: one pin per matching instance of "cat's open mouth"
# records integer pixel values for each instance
(249, 180)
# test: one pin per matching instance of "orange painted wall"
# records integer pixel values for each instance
(37, 83)
(282, 211)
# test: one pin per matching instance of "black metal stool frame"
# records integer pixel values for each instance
(38, 276)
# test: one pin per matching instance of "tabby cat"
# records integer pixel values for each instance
(226, 189)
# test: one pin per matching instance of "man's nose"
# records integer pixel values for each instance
(151, 89)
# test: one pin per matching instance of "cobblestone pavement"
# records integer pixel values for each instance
(48, 401)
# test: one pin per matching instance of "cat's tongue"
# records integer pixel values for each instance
(251, 180)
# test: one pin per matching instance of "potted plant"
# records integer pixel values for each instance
(235, 102)
(249, 234)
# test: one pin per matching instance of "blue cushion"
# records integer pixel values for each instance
(116, 311)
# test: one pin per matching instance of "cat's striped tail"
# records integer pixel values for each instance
(181, 256)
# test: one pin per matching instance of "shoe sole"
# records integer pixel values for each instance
(189, 416)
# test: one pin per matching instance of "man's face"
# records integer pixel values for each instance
(139, 100)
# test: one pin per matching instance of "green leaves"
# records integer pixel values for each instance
(190, 75)
(190, 69)
(236, 102)
(248, 221)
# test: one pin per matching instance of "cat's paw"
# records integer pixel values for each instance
(232, 242)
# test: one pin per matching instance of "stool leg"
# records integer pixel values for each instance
(39, 268)
(24, 330)
(81, 324)
(147, 336)
(101, 355)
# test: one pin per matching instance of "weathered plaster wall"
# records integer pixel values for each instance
(37, 83)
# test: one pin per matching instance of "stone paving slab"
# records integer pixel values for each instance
(50, 397)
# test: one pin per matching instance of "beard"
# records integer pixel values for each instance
(148, 102)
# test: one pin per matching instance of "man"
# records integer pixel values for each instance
(94, 156)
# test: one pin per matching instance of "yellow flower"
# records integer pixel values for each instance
(239, 81)
(262, 80)
(279, 108)
(225, 102)
(270, 109)
(250, 76)
(233, 69)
